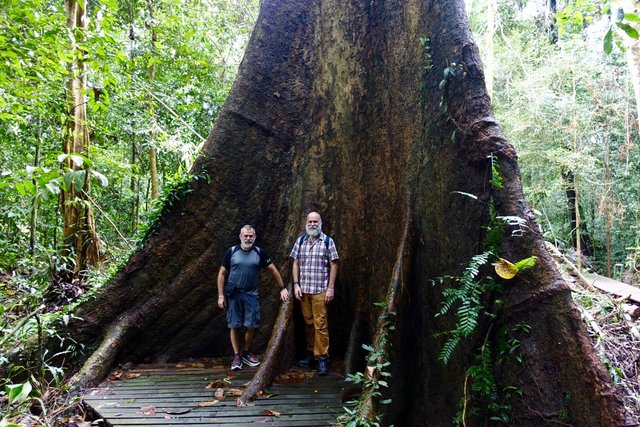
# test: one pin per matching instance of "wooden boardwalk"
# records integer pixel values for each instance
(205, 393)
(614, 287)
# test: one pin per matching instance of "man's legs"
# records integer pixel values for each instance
(320, 326)
(235, 335)
(307, 314)
(249, 334)
(235, 314)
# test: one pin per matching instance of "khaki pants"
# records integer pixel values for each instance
(314, 311)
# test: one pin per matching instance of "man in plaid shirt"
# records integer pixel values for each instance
(315, 267)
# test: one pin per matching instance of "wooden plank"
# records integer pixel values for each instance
(613, 287)
(303, 399)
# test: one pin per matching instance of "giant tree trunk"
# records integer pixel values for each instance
(339, 107)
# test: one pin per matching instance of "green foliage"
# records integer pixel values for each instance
(465, 291)
(198, 48)
(375, 377)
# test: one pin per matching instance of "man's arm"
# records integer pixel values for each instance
(333, 273)
(222, 273)
(284, 294)
(296, 277)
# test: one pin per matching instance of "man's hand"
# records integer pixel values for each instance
(328, 296)
(297, 291)
(222, 303)
(284, 294)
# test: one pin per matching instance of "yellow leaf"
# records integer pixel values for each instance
(505, 269)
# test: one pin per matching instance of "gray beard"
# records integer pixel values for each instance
(313, 232)
(246, 246)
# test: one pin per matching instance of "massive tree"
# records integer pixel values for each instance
(376, 115)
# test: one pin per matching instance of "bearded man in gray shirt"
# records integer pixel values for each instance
(238, 293)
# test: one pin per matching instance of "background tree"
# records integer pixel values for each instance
(80, 239)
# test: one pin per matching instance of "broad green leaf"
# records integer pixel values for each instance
(103, 179)
(526, 263)
(631, 17)
(631, 32)
(78, 179)
(18, 393)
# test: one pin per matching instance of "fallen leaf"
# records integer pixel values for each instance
(271, 412)
(174, 411)
(294, 376)
(234, 392)
(217, 384)
(116, 375)
(190, 365)
(148, 410)
(132, 375)
(219, 394)
(208, 403)
(263, 394)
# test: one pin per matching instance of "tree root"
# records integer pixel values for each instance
(368, 407)
(271, 362)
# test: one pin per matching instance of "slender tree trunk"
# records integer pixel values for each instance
(552, 27)
(33, 221)
(633, 55)
(79, 233)
(341, 107)
(492, 11)
(153, 167)
(134, 187)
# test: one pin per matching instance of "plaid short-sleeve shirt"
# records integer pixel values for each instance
(313, 262)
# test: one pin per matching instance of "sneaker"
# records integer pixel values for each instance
(236, 365)
(250, 359)
(306, 362)
(323, 366)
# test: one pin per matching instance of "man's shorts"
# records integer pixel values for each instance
(243, 309)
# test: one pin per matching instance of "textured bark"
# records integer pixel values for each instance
(80, 239)
(338, 108)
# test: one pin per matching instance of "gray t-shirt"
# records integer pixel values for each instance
(244, 267)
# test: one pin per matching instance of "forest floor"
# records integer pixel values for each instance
(614, 328)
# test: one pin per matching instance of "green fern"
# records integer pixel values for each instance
(467, 296)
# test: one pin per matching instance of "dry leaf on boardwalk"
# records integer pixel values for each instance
(148, 410)
(173, 411)
(131, 375)
(263, 394)
(294, 376)
(234, 392)
(115, 375)
(271, 412)
(190, 365)
(219, 394)
(217, 384)
(208, 403)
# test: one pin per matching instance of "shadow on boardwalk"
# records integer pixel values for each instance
(204, 392)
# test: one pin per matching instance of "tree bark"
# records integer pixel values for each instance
(79, 232)
(340, 107)
(153, 129)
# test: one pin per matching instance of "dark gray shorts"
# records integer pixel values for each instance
(243, 309)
